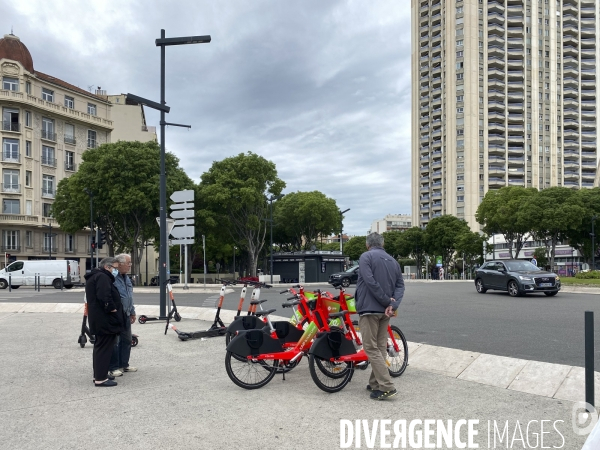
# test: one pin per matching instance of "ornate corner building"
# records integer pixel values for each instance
(504, 93)
(46, 126)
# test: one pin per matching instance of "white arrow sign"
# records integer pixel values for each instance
(182, 214)
(182, 206)
(182, 232)
(182, 241)
(183, 196)
(181, 222)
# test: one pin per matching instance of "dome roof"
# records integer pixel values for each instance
(11, 47)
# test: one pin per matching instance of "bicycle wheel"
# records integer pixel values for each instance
(249, 374)
(325, 382)
(397, 361)
(331, 369)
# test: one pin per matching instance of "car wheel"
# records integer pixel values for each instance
(550, 294)
(3, 284)
(479, 286)
(346, 282)
(513, 289)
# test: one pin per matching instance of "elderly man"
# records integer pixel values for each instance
(119, 362)
(379, 291)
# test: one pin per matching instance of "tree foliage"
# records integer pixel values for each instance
(442, 236)
(355, 247)
(503, 211)
(301, 217)
(233, 198)
(124, 179)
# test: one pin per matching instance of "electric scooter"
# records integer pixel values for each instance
(85, 331)
(173, 314)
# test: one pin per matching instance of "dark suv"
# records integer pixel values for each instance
(346, 278)
(518, 277)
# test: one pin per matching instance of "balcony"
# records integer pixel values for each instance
(515, 150)
(496, 181)
(15, 127)
(496, 150)
(494, 29)
(496, 170)
(515, 74)
(437, 207)
(70, 140)
(424, 188)
(496, 116)
(515, 31)
(11, 188)
(495, 6)
(49, 135)
(495, 18)
(48, 161)
(436, 175)
(571, 174)
(570, 30)
(70, 167)
(496, 106)
(512, 106)
(48, 193)
(71, 249)
(495, 62)
(91, 143)
(49, 248)
(515, 117)
(11, 248)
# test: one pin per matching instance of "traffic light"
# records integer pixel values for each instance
(101, 238)
(93, 242)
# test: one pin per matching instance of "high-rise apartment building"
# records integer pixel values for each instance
(503, 94)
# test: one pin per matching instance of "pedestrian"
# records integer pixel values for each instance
(119, 362)
(105, 314)
(379, 291)
(441, 273)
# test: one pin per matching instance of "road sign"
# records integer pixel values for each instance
(182, 241)
(183, 196)
(183, 232)
(182, 214)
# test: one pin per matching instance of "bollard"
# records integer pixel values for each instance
(9, 284)
(34, 282)
(62, 283)
(589, 357)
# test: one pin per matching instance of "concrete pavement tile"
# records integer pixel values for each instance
(188, 312)
(540, 378)
(11, 307)
(38, 307)
(69, 308)
(446, 361)
(147, 310)
(5, 314)
(573, 386)
(493, 370)
(413, 347)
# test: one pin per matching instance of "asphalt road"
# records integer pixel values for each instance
(448, 314)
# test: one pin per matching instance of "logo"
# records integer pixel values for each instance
(583, 418)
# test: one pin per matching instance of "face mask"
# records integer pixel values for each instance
(115, 272)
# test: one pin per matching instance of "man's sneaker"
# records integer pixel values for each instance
(107, 383)
(380, 395)
(129, 369)
(369, 388)
(115, 373)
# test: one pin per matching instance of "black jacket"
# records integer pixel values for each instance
(102, 298)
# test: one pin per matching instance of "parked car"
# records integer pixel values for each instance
(346, 278)
(518, 277)
(50, 272)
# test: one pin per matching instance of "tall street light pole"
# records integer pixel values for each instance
(273, 197)
(593, 244)
(342, 229)
(91, 194)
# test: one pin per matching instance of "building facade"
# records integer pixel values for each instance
(503, 94)
(391, 222)
(129, 121)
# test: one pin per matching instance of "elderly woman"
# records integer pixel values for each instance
(105, 313)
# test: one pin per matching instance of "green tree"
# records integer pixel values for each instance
(233, 194)
(554, 212)
(469, 246)
(579, 237)
(301, 217)
(410, 244)
(124, 180)
(503, 211)
(442, 236)
(541, 256)
(391, 243)
(355, 247)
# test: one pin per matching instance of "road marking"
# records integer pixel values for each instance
(211, 302)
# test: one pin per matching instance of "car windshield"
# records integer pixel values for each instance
(352, 269)
(520, 266)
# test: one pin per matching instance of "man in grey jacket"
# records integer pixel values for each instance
(119, 362)
(379, 291)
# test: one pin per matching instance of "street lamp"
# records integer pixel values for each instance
(593, 244)
(234, 249)
(164, 235)
(270, 199)
(342, 229)
(51, 235)
(91, 194)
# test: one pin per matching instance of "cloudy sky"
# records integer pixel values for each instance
(320, 87)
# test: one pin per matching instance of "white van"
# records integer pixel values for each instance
(22, 273)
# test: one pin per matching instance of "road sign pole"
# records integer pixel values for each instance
(204, 258)
(185, 286)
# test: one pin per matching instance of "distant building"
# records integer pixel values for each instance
(129, 121)
(391, 222)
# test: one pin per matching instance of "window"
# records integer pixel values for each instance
(48, 186)
(28, 175)
(28, 207)
(91, 109)
(47, 95)
(70, 134)
(48, 129)
(27, 118)
(10, 241)
(460, 143)
(460, 98)
(460, 132)
(11, 206)
(460, 43)
(459, 10)
(28, 87)
(10, 180)
(10, 150)
(69, 102)
(460, 188)
(91, 139)
(49, 241)
(10, 119)
(29, 238)
(460, 177)
(459, 76)
(459, 65)
(459, 54)
(69, 243)
(28, 148)
(47, 209)
(48, 156)
(10, 84)
(459, 110)
(460, 32)
(460, 198)
(70, 161)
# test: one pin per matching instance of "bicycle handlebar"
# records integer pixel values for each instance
(284, 291)
(292, 298)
